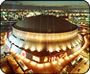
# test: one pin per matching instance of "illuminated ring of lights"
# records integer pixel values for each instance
(70, 57)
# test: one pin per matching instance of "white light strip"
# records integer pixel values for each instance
(44, 36)
(39, 47)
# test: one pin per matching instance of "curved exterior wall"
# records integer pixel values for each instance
(20, 41)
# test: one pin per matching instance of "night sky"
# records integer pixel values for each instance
(49, 3)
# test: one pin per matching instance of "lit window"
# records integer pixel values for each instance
(36, 58)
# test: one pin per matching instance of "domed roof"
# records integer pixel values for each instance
(45, 24)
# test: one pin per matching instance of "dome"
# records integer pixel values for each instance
(45, 35)
(45, 24)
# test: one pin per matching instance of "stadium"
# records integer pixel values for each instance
(43, 39)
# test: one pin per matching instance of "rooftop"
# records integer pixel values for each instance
(45, 24)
